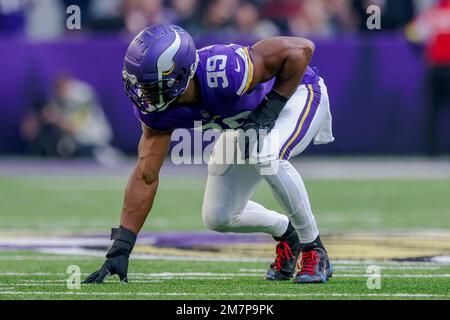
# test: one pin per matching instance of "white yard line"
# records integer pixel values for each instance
(218, 275)
(383, 267)
(79, 252)
(362, 268)
(26, 274)
(244, 294)
(39, 284)
(337, 264)
(61, 281)
(45, 258)
(386, 263)
(140, 275)
(391, 276)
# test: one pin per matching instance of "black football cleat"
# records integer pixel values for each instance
(315, 267)
(283, 268)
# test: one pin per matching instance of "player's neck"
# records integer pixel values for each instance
(192, 93)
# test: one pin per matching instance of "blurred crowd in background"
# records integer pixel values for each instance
(71, 122)
(259, 18)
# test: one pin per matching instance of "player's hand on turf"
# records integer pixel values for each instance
(116, 258)
(115, 265)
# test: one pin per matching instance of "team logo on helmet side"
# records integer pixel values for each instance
(158, 68)
(166, 63)
(168, 72)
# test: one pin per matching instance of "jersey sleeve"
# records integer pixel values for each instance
(229, 70)
(242, 70)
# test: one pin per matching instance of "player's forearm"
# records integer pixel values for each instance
(143, 182)
(139, 196)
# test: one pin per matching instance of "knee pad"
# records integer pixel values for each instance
(215, 217)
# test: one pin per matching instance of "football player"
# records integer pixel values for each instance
(267, 87)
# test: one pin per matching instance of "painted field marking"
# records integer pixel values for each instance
(225, 276)
(141, 275)
(337, 264)
(386, 267)
(39, 284)
(245, 294)
(27, 274)
(361, 268)
(363, 263)
(30, 281)
(45, 258)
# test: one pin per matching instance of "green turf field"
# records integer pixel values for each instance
(60, 206)
(75, 204)
(45, 278)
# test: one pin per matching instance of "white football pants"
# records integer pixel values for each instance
(227, 206)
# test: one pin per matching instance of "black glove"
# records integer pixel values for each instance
(116, 258)
(262, 118)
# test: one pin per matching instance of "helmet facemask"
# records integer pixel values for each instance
(149, 97)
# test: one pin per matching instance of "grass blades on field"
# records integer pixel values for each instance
(74, 204)
(40, 276)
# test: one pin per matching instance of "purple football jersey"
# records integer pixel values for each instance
(224, 74)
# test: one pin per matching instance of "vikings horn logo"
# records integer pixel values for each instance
(165, 61)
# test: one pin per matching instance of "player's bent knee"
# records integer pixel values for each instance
(214, 218)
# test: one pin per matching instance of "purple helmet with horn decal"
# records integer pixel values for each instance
(159, 63)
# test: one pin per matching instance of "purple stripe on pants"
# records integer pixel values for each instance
(306, 124)
(296, 125)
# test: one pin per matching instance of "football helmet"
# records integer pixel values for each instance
(159, 64)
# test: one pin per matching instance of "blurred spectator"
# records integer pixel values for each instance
(71, 124)
(48, 11)
(281, 11)
(249, 23)
(217, 22)
(106, 15)
(187, 14)
(312, 19)
(257, 18)
(422, 5)
(433, 27)
(342, 16)
(218, 15)
(141, 13)
(12, 16)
